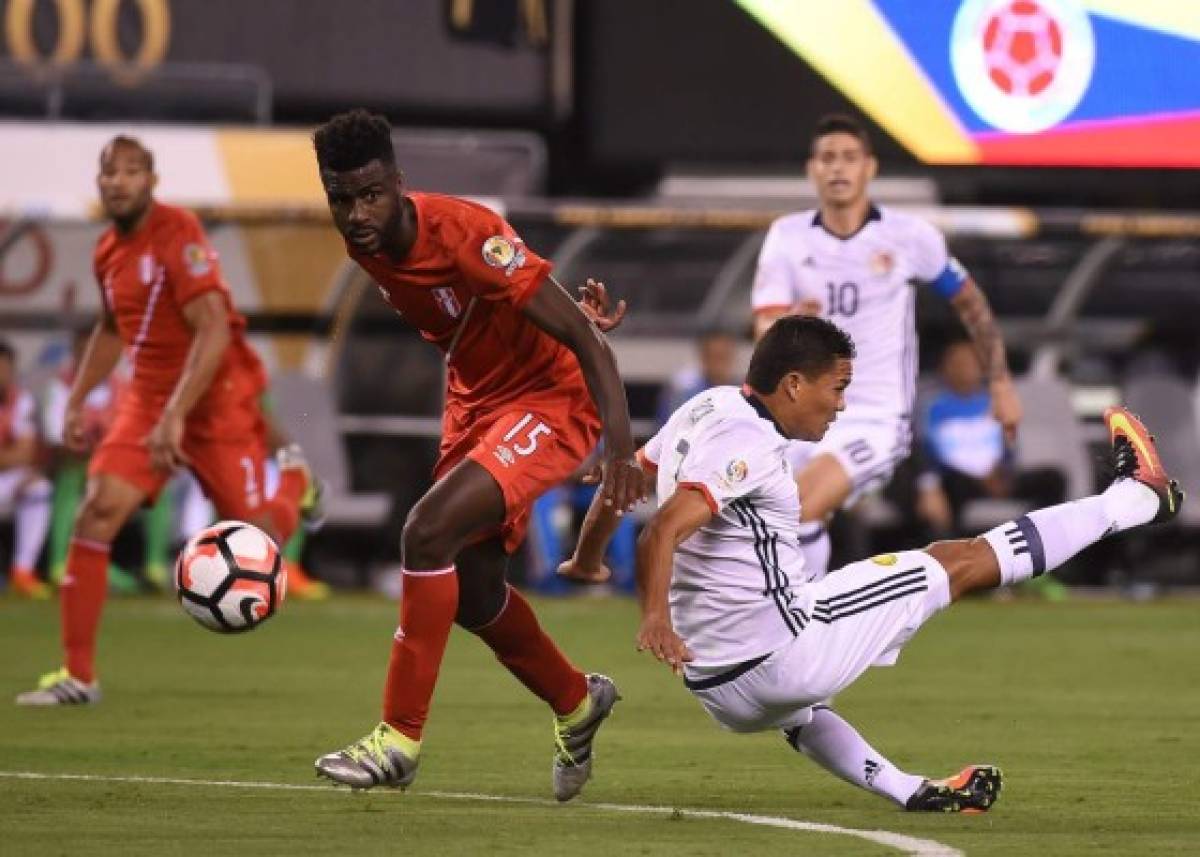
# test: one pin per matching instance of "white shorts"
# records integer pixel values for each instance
(868, 450)
(858, 616)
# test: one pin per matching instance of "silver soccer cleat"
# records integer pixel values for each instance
(573, 745)
(376, 760)
(61, 688)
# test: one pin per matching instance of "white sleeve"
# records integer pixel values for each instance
(731, 461)
(774, 283)
(930, 255)
(651, 452)
(24, 416)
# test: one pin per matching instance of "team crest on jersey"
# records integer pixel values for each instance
(146, 268)
(882, 263)
(196, 259)
(505, 455)
(448, 301)
(736, 470)
(500, 252)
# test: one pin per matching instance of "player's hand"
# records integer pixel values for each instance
(625, 483)
(658, 637)
(166, 442)
(1006, 407)
(75, 434)
(573, 570)
(594, 301)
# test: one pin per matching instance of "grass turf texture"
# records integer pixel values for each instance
(1090, 708)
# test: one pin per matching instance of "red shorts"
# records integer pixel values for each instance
(224, 439)
(528, 446)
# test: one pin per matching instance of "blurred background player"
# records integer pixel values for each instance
(24, 491)
(965, 456)
(531, 381)
(193, 400)
(854, 263)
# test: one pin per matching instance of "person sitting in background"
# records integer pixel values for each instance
(965, 456)
(717, 352)
(24, 491)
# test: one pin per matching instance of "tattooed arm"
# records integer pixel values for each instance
(976, 315)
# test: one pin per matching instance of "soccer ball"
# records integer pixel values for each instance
(230, 577)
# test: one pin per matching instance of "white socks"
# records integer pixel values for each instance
(32, 523)
(1046, 538)
(837, 747)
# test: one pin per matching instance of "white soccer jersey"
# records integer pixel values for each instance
(863, 284)
(731, 583)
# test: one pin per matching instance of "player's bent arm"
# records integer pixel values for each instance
(599, 525)
(553, 310)
(685, 512)
(975, 312)
(100, 357)
(208, 317)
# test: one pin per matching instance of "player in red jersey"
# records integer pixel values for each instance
(530, 383)
(193, 400)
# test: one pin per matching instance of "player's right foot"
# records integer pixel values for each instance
(24, 583)
(312, 501)
(1135, 456)
(386, 757)
(972, 790)
(61, 688)
(573, 741)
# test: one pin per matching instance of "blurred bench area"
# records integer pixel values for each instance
(527, 107)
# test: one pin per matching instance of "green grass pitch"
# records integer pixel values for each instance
(1090, 708)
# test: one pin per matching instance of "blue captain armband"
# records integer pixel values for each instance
(951, 279)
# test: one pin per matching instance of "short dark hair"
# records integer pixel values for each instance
(797, 343)
(353, 139)
(840, 123)
(132, 143)
(6, 350)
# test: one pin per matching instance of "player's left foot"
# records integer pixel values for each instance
(972, 790)
(25, 584)
(386, 757)
(312, 502)
(1135, 456)
(61, 688)
(573, 741)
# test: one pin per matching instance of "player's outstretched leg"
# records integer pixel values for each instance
(1141, 493)
(501, 617)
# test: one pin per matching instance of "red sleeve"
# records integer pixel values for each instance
(495, 263)
(190, 260)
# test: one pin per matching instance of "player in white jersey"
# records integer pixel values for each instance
(24, 491)
(857, 264)
(723, 594)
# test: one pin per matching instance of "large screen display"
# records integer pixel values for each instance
(1086, 83)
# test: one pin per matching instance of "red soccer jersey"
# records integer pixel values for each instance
(145, 281)
(462, 286)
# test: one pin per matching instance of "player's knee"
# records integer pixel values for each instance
(428, 540)
(969, 563)
(100, 516)
(479, 602)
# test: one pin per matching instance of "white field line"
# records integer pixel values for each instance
(905, 844)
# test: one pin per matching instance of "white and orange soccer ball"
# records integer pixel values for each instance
(230, 577)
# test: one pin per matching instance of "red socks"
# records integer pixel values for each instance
(528, 652)
(427, 607)
(81, 601)
(284, 508)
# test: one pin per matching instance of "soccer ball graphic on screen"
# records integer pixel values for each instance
(230, 577)
(1022, 65)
